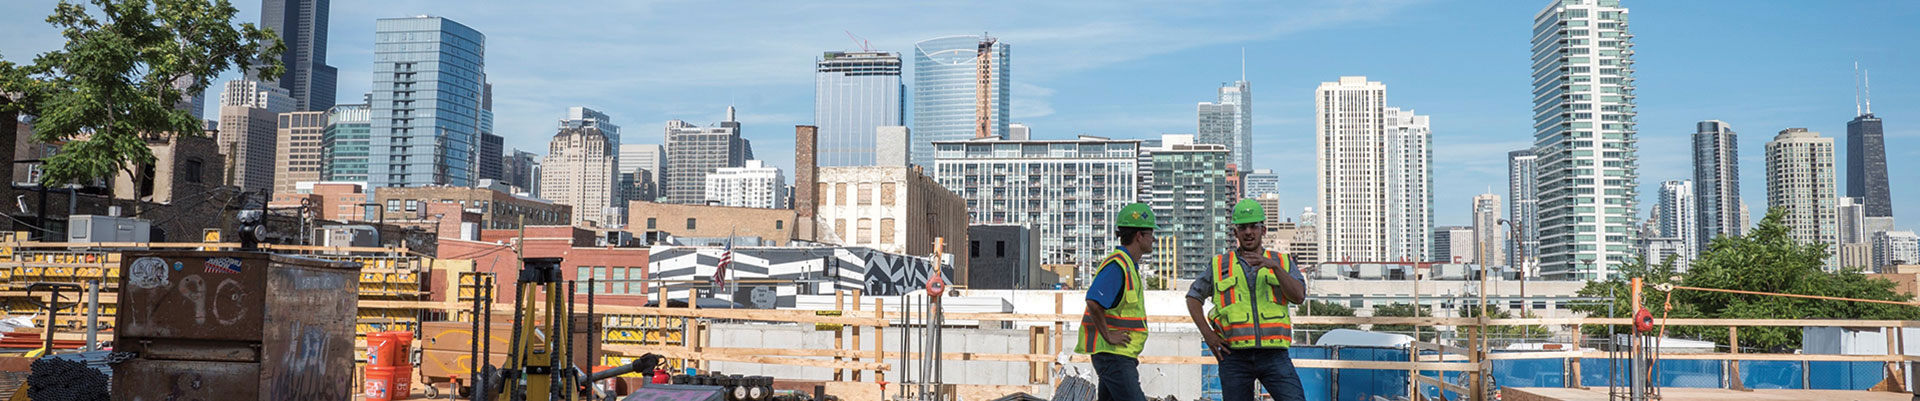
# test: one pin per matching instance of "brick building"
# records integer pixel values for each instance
(773, 227)
(619, 272)
(497, 208)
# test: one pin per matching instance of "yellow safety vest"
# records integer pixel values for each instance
(1235, 298)
(1129, 315)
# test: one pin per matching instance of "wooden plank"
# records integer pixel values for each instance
(1424, 379)
(880, 338)
(839, 334)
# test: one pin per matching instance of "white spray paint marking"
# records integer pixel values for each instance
(148, 272)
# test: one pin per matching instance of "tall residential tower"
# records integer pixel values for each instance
(428, 75)
(1523, 205)
(1800, 179)
(1716, 182)
(1585, 136)
(1375, 195)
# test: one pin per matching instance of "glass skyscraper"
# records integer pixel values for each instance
(1716, 182)
(1867, 164)
(343, 143)
(302, 25)
(1523, 206)
(946, 91)
(427, 82)
(855, 93)
(1191, 198)
(1585, 137)
(1229, 122)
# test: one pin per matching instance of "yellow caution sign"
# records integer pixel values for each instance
(211, 236)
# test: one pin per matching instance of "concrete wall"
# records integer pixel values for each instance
(1182, 381)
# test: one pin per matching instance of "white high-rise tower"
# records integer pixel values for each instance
(1585, 138)
(1375, 194)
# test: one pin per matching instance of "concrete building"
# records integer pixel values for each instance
(249, 118)
(1261, 182)
(297, 158)
(949, 102)
(854, 94)
(1454, 244)
(1229, 122)
(1019, 132)
(1523, 205)
(894, 146)
(1678, 217)
(1855, 242)
(1800, 179)
(1305, 247)
(1489, 236)
(337, 201)
(343, 143)
(755, 185)
(1444, 287)
(693, 152)
(1585, 135)
(578, 171)
(302, 26)
(1892, 248)
(1409, 161)
(649, 157)
(1656, 250)
(1375, 191)
(522, 171)
(765, 227)
(185, 169)
(1867, 163)
(893, 209)
(429, 75)
(498, 209)
(1192, 199)
(1716, 182)
(1066, 190)
(1005, 257)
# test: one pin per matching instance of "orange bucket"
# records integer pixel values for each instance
(382, 349)
(379, 384)
(402, 381)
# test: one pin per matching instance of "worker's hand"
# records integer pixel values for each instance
(1217, 344)
(1115, 337)
(1260, 260)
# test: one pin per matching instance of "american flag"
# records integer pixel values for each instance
(726, 261)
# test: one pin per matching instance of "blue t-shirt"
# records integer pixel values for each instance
(1108, 285)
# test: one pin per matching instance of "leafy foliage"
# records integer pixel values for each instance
(1534, 331)
(1323, 308)
(1403, 310)
(115, 84)
(1767, 259)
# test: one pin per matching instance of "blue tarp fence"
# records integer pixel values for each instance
(1363, 384)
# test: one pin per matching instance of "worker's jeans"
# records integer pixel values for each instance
(1120, 378)
(1272, 367)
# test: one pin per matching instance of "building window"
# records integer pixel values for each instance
(690, 223)
(840, 229)
(393, 205)
(651, 223)
(864, 234)
(866, 193)
(999, 249)
(413, 205)
(973, 249)
(840, 194)
(192, 173)
(779, 224)
(886, 230)
(886, 194)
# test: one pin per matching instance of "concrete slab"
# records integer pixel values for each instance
(1600, 394)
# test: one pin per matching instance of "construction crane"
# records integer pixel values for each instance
(865, 46)
(983, 78)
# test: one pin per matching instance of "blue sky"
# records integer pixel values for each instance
(1136, 69)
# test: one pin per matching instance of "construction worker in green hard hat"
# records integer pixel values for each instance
(1114, 328)
(1250, 328)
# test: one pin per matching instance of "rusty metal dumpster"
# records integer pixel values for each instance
(235, 326)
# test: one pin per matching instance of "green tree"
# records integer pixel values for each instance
(1403, 310)
(1766, 259)
(1322, 308)
(1530, 331)
(111, 89)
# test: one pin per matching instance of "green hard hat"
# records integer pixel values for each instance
(1248, 211)
(1136, 215)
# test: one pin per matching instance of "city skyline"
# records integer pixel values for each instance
(1064, 87)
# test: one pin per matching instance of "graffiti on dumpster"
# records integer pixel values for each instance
(303, 373)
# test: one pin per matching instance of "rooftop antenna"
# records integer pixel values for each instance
(1243, 64)
(1866, 87)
